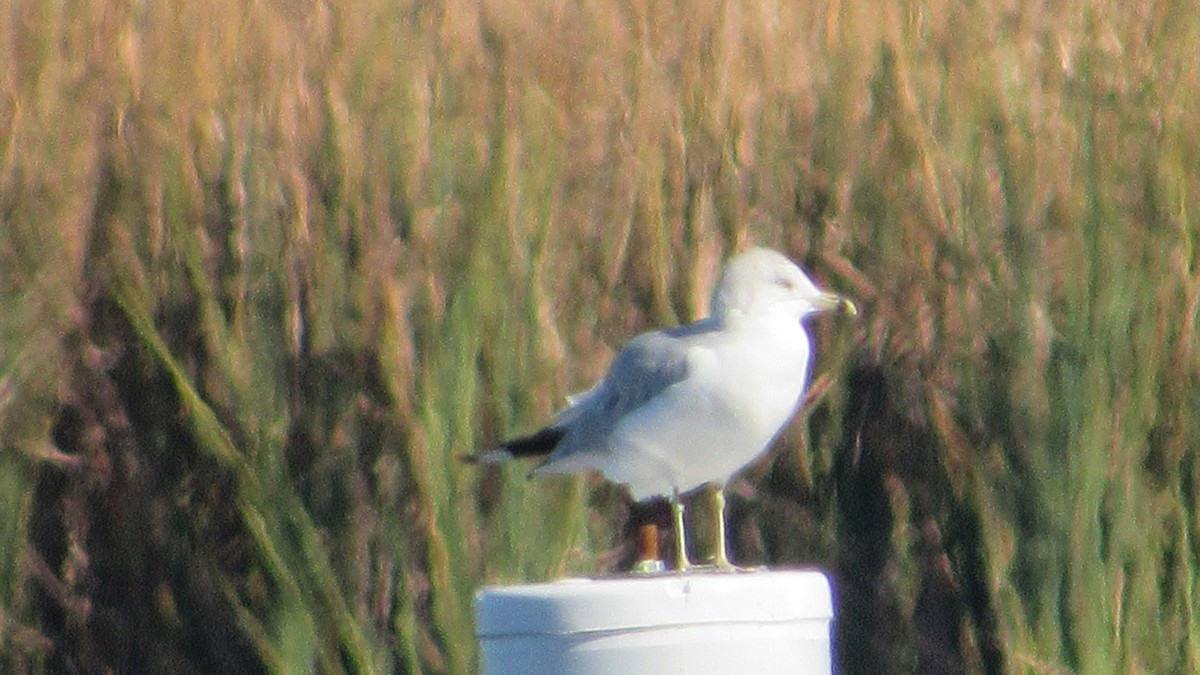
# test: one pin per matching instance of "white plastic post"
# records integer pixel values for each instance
(766, 623)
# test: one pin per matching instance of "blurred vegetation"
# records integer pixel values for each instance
(267, 267)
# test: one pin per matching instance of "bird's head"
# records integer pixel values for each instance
(760, 282)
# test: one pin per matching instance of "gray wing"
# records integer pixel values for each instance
(647, 366)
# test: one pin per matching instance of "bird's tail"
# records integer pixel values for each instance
(538, 444)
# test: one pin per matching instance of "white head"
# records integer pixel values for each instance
(761, 282)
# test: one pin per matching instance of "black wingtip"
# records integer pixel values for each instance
(538, 444)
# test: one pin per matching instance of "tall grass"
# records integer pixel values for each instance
(267, 268)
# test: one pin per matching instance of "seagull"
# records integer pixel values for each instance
(692, 405)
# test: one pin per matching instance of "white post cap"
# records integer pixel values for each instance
(750, 622)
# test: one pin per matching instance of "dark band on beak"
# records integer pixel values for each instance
(831, 302)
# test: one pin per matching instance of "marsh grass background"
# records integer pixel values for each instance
(268, 267)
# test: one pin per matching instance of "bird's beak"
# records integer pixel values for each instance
(828, 302)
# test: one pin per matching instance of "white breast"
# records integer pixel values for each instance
(736, 398)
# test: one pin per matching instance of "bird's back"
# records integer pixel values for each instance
(688, 406)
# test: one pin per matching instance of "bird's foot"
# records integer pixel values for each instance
(720, 562)
(725, 568)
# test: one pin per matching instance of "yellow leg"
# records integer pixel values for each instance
(721, 552)
(682, 564)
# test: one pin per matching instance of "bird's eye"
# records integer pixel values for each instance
(785, 283)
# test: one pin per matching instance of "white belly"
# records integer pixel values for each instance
(705, 430)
